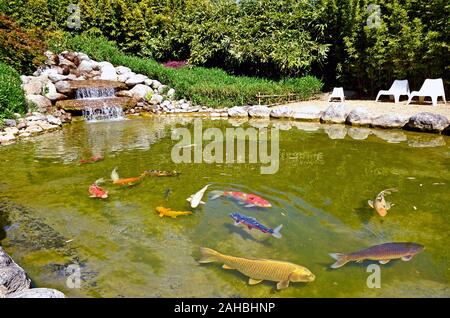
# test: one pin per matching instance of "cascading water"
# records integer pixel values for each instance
(103, 109)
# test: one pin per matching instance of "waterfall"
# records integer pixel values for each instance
(103, 109)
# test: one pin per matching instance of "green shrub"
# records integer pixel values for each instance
(12, 99)
(203, 86)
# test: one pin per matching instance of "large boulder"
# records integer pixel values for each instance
(43, 104)
(428, 122)
(136, 79)
(390, 121)
(108, 71)
(140, 91)
(336, 131)
(12, 277)
(63, 87)
(35, 85)
(259, 111)
(156, 99)
(359, 117)
(334, 114)
(120, 70)
(237, 111)
(86, 66)
(282, 112)
(307, 113)
(9, 122)
(6, 138)
(37, 293)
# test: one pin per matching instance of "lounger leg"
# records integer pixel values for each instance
(396, 98)
(434, 100)
(378, 96)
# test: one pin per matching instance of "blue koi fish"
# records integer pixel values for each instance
(252, 223)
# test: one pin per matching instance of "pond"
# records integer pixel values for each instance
(319, 193)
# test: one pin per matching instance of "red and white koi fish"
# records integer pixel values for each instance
(97, 192)
(249, 200)
(91, 159)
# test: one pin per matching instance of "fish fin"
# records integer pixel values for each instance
(236, 223)
(384, 261)
(370, 203)
(224, 266)
(388, 205)
(99, 181)
(161, 215)
(283, 284)
(249, 205)
(189, 199)
(253, 281)
(359, 261)
(209, 255)
(114, 175)
(216, 194)
(276, 231)
(341, 260)
(202, 202)
(407, 258)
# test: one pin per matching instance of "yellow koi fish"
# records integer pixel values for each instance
(260, 269)
(162, 211)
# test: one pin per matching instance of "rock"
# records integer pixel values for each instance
(25, 79)
(12, 277)
(140, 91)
(282, 112)
(24, 134)
(37, 293)
(359, 117)
(42, 103)
(124, 93)
(259, 111)
(9, 122)
(6, 138)
(35, 85)
(162, 89)
(148, 82)
(11, 130)
(237, 111)
(336, 131)
(120, 70)
(49, 89)
(85, 66)
(52, 58)
(156, 99)
(47, 126)
(282, 125)
(171, 93)
(359, 133)
(56, 97)
(428, 122)
(155, 84)
(108, 71)
(57, 77)
(307, 113)
(82, 56)
(63, 87)
(390, 121)
(54, 120)
(135, 79)
(334, 114)
(259, 122)
(33, 129)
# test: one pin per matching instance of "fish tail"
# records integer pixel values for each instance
(216, 194)
(114, 175)
(276, 231)
(341, 260)
(98, 181)
(209, 255)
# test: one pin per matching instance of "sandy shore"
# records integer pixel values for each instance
(381, 108)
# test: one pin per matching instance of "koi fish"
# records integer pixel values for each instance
(380, 204)
(162, 211)
(252, 223)
(259, 270)
(162, 173)
(382, 253)
(97, 192)
(249, 200)
(92, 159)
(196, 198)
(126, 181)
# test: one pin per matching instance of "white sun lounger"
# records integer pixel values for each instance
(398, 88)
(338, 92)
(433, 88)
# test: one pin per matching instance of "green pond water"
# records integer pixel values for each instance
(326, 175)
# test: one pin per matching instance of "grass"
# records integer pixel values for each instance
(12, 99)
(203, 86)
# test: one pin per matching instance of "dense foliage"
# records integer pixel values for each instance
(342, 41)
(12, 99)
(203, 86)
(20, 48)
